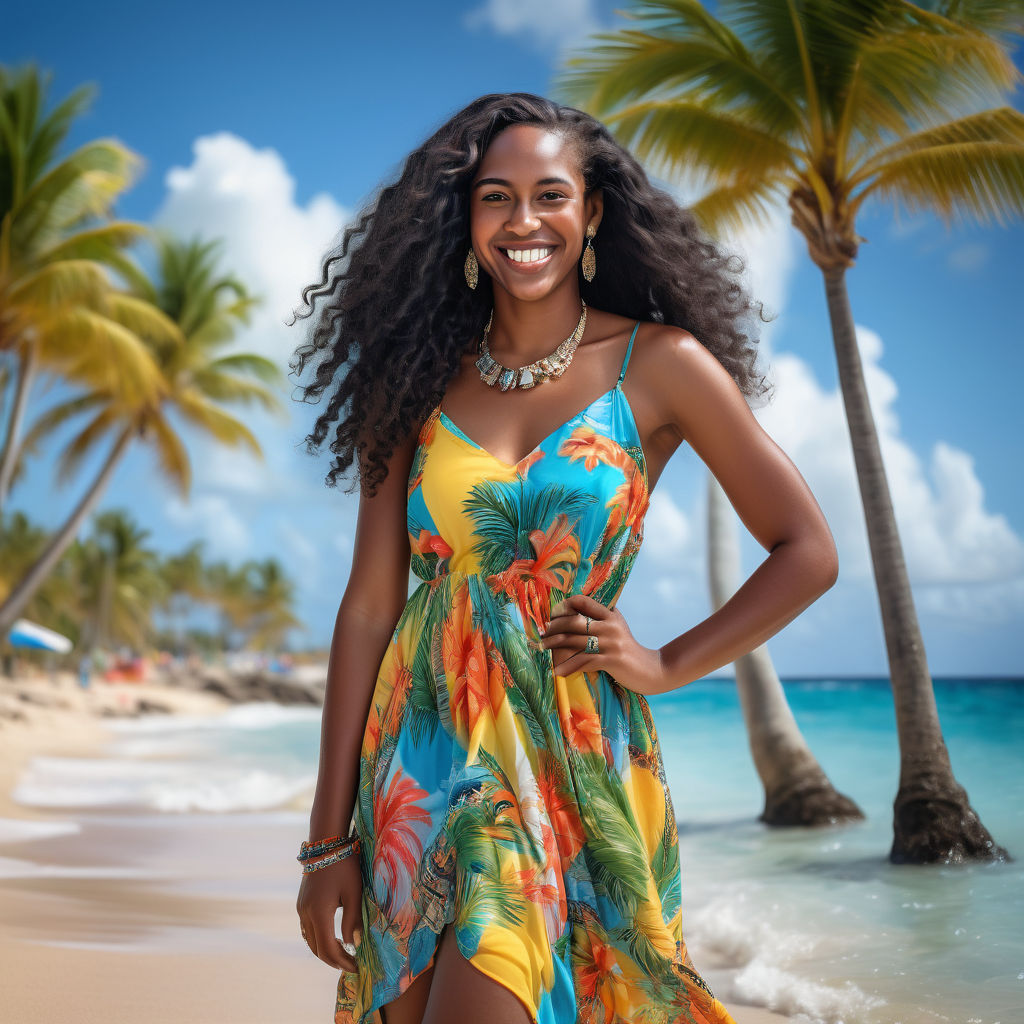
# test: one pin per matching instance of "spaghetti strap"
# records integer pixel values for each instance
(629, 348)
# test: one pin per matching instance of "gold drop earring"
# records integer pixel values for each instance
(472, 269)
(589, 261)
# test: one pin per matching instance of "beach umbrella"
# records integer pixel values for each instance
(30, 634)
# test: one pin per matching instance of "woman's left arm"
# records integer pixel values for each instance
(699, 401)
(770, 497)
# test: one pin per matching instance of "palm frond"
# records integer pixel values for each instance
(220, 425)
(57, 415)
(101, 244)
(91, 346)
(171, 454)
(55, 284)
(84, 442)
(141, 317)
(734, 207)
(673, 135)
(982, 180)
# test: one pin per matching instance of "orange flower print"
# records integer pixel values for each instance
(535, 890)
(397, 846)
(597, 970)
(562, 809)
(396, 704)
(630, 499)
(473, 662)
(431, 543)
(583, 730)
(597, 576)
(529, 581)
(397, 679)
(594, 448)
(534, 456)
(371, 735)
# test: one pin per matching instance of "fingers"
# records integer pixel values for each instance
(351, 925)
(328, 948)
(317, 929)
(570, 614)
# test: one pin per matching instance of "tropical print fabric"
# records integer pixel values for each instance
(527, 810)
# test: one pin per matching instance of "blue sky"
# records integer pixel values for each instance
(269, 130)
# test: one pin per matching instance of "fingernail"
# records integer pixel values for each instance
(357, 935)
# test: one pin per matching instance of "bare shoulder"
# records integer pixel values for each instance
(677, 379)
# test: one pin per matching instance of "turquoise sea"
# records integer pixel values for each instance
(813, 923)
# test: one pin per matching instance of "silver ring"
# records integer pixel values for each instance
(589, 621)
(592, 647)
(349, 948)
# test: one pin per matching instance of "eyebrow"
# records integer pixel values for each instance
(508, 184)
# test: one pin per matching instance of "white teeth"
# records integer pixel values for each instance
(527, 255)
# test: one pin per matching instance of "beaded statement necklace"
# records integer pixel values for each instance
(554, 365)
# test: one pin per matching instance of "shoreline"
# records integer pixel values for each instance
(147, 912)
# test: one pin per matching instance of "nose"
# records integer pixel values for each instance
(522, 220)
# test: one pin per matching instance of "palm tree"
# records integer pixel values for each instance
(195, 382)
(121, 583)
(270, 614)
(228, 589)
(797, 790)
(829, 105)
(184, 576)
(58, 308)
(21, 541)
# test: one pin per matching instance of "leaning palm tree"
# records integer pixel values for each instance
(829, 105)
(796, 789)
(195, 383)
(59, 310)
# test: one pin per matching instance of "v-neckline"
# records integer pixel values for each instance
(452, 427)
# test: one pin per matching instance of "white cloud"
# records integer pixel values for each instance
(246, 197)
(545, 23)
(948, 535)
(667, 532)
(217, 520)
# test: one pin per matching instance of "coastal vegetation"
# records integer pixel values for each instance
(135, 357)
(827, 107)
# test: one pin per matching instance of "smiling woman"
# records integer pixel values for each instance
(513, 853)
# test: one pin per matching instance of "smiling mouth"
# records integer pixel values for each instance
(528, 258)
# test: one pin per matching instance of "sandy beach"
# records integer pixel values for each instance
(121, 915)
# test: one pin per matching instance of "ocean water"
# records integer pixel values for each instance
(812, 923)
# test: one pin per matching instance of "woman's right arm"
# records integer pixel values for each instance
(374, 597)
(376, 592)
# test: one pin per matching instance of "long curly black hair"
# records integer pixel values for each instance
(397, 313)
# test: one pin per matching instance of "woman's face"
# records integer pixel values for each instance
(527, 195)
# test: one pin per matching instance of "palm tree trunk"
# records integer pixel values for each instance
(933, 819)
(23, 384)
(22, 592)
(797, 790)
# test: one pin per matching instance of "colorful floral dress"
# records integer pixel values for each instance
(526, 810)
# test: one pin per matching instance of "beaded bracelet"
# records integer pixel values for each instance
(332, 858)
(309, 849)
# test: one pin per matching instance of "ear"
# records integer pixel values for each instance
(594, 207)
